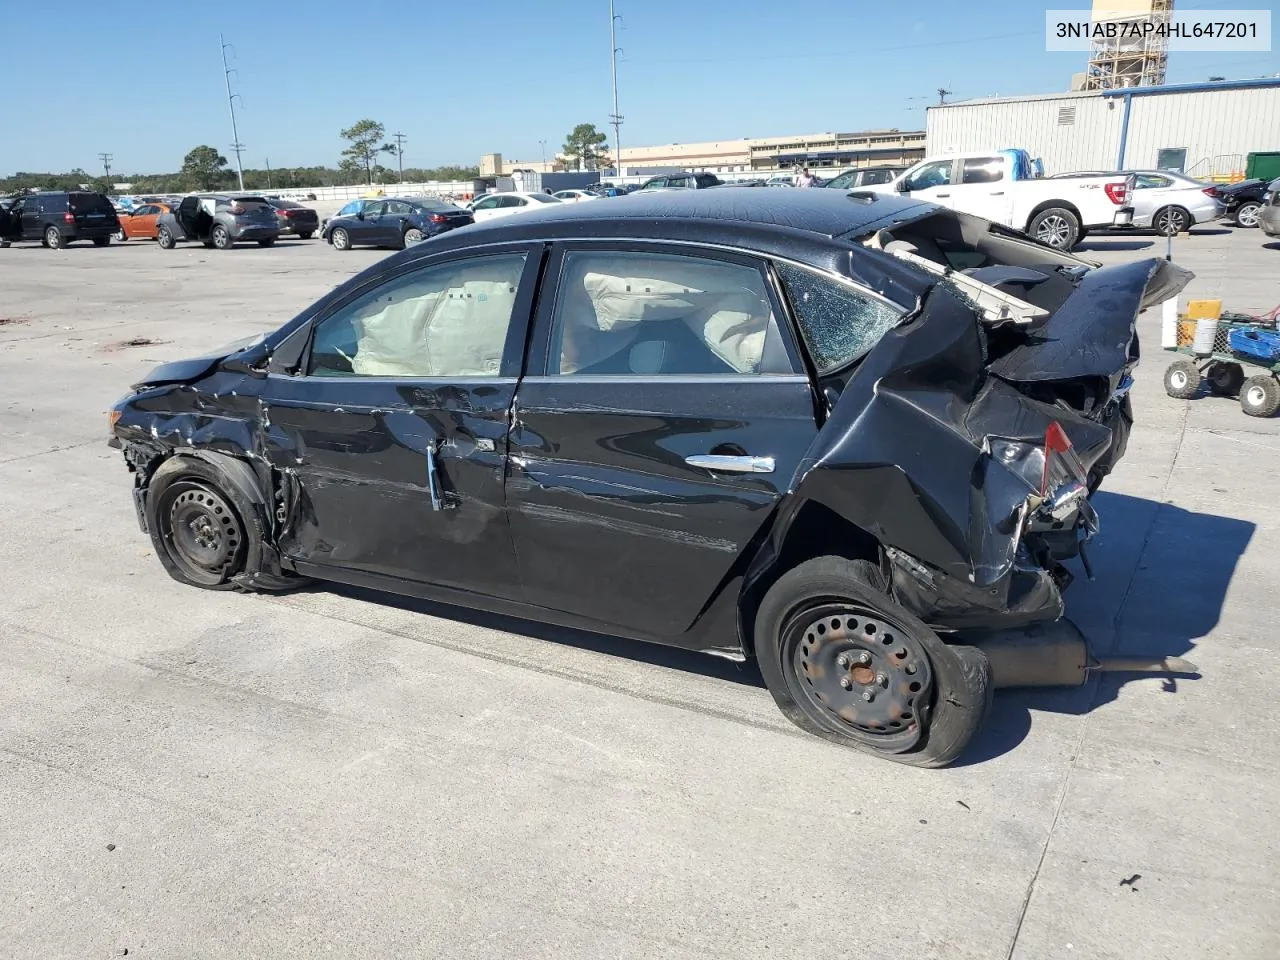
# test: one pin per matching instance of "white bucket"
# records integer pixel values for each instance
(1206, 331)
(1169, 324)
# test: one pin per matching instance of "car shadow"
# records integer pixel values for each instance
(1157, 604)
(1153, 603)
(1272, 245)
(1107, 244)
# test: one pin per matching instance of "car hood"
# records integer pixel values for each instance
(192, 368)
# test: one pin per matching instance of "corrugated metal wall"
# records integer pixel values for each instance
(1226, 124)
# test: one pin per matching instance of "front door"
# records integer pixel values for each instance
(367, 226)
(662, 417)
(931, 181)
(392, 435)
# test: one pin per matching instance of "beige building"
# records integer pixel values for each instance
(866, 149)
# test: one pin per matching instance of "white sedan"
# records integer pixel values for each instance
(504, 204)
(574, 196)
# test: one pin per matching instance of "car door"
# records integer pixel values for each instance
(32, 218)
(982, 189)
(141, 223)
(392, 223)
(931, 181)
(662, 416)
(486, 208)
(367, 226)
(392, 429)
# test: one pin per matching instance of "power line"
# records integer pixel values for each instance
(236, 145)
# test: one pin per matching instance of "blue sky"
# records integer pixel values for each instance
(461, 79)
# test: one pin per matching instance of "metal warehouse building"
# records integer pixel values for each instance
(1204, 129)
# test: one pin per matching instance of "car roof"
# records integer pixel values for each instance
(821, 213)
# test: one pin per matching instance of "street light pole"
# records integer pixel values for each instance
(542, 145)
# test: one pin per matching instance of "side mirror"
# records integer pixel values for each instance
(252, 361)
(360, 215)
(902, 186)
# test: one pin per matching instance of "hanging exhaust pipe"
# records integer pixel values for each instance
(1057, 655)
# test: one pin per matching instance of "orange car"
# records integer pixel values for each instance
(141, 223)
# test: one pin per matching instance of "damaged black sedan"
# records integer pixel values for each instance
(846, 435)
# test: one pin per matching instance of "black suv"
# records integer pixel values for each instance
(56, 219)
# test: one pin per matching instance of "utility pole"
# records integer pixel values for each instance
(268, 159)
(106, 167)
(615, 118)
(400, 138)
(236, 145)
(542, 145)
(943, 93)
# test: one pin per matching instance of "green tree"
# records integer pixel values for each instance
(203, 168)
(585, 147)
(367, 139)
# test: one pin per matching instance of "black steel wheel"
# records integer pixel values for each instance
(1182, 380)
(1260, 396)
(1224, 378)
(846, 662)
(201, 532)
(101, 241)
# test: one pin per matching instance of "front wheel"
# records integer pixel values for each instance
(305, 235)
(340, 239)
(101, 241)
(1171, 221)
(845, 662)
(165, 239)
(1058, 227)
(198, 535)
(267, 242)
(121, 236)
(1247, 214)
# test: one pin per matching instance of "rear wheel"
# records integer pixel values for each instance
(305, 235)
(1056, 226)
(1260, 396)
(101, 241)
(1171, 220)
(1182, 380)
(1225, 378)
(221, 237)
(340, 239)
(53, 238)
(845, 662)
(1247, 214)
(413, 235)
(267, 242)
(165, 238)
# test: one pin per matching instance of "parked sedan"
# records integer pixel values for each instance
(575, 196)
(142, 222)
(1269, 218)
(1164, 200)
(1244, 201)
(395, 222)
(494, 205)
(295, 219)
(713, 443)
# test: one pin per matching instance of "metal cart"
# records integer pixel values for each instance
(1223, 370)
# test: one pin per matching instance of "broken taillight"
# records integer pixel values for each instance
(1116, 192)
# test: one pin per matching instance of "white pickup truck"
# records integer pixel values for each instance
(1058, 212)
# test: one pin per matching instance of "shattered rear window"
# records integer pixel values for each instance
(839, 324)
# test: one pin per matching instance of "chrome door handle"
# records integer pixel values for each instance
(997, 193)
(721, 464)
(942, 194)
(433, 478)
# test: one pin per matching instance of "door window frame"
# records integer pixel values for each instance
(298, 363)
(541, 339)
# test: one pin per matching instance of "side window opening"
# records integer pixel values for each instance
(447, 320)
(641, 314)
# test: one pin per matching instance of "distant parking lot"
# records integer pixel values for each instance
(189, 774)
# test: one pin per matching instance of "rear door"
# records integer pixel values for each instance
(663, 415)
(980, 186)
